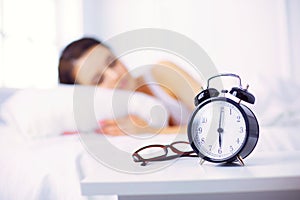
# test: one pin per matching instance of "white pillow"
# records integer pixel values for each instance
(44, 112)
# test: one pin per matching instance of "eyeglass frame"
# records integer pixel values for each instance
(138, 158)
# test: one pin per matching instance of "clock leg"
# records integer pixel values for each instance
(201, 161)
(240, 160)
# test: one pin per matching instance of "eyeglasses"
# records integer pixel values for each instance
(158, 152)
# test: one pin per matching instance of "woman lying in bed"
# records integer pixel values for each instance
(89, 62)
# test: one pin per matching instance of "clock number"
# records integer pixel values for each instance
(231, 148)
(238, 118)
(199, 130)
(204, 120)
(209, 147)
(241, 129)
(238, 140)
(220, 151)
(202, 140)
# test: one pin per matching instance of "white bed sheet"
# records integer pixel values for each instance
(52, 167)
(39, 169)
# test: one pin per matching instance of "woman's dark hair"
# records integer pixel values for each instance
(70, 54)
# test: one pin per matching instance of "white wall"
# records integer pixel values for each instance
(28, 54)
(251, 37)
(69, 21)
(32, 34)
(293, 15)
(245, 37)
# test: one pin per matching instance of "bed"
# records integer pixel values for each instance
(38, 162)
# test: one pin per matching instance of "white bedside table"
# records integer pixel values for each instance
(267, 175)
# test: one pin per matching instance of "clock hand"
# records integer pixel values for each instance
(220, 129)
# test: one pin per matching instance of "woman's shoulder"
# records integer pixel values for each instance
(176, 82)
(172, 75)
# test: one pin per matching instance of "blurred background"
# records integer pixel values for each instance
(253, 38)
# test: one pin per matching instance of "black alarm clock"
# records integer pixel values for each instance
(222, 129)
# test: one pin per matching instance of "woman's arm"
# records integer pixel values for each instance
(174, 81)
(132, 125)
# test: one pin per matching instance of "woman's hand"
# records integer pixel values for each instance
(133, 124)
(128, 125)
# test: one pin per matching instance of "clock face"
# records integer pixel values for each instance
(218, 130)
